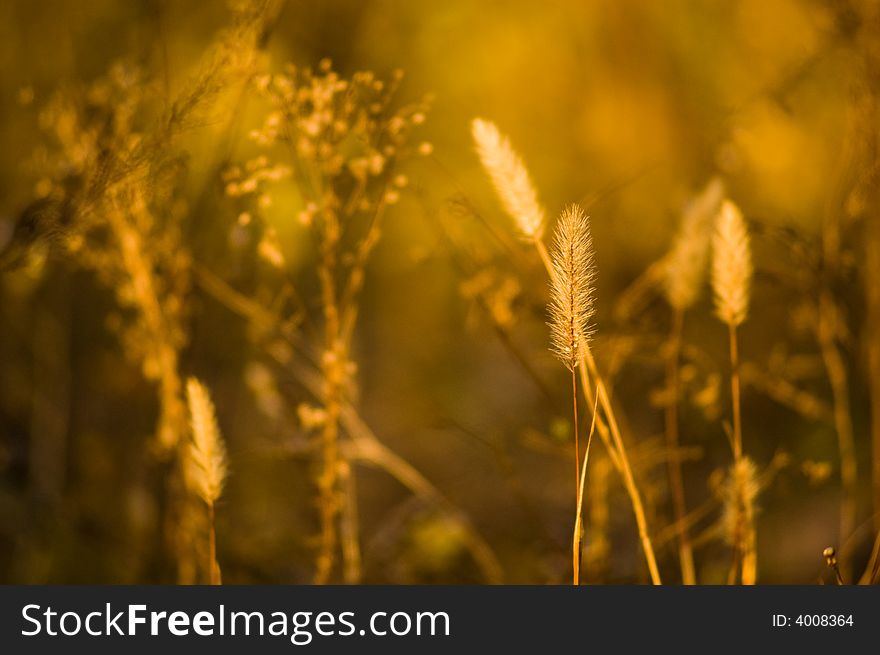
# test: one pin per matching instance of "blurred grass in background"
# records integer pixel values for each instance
(627, 107)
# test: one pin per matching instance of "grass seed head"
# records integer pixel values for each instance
(571, 294)
(687, 261)
(206, 454)
(509, 177)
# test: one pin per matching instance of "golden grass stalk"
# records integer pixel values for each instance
(509, 177)
(577, 539)
(610, 434)
(571, 307)
(505, 166)
(731, 281)
(684, 275)
(205, 461)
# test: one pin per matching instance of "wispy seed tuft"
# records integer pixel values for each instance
(688, 258)
(731, 265)
(571, 294)
(510, 178)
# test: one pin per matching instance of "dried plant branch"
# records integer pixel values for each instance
(571, 300)
(342, 141)
(128, 209)
(332, 364)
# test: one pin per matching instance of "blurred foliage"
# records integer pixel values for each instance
(452, 413)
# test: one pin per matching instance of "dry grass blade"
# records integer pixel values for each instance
(731, 279)
(571, 306)
(610, 433)
(509, 174)
(510, 178)
(571, 293)
(577, 540)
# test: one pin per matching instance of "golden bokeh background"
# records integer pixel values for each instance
(629, 108)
